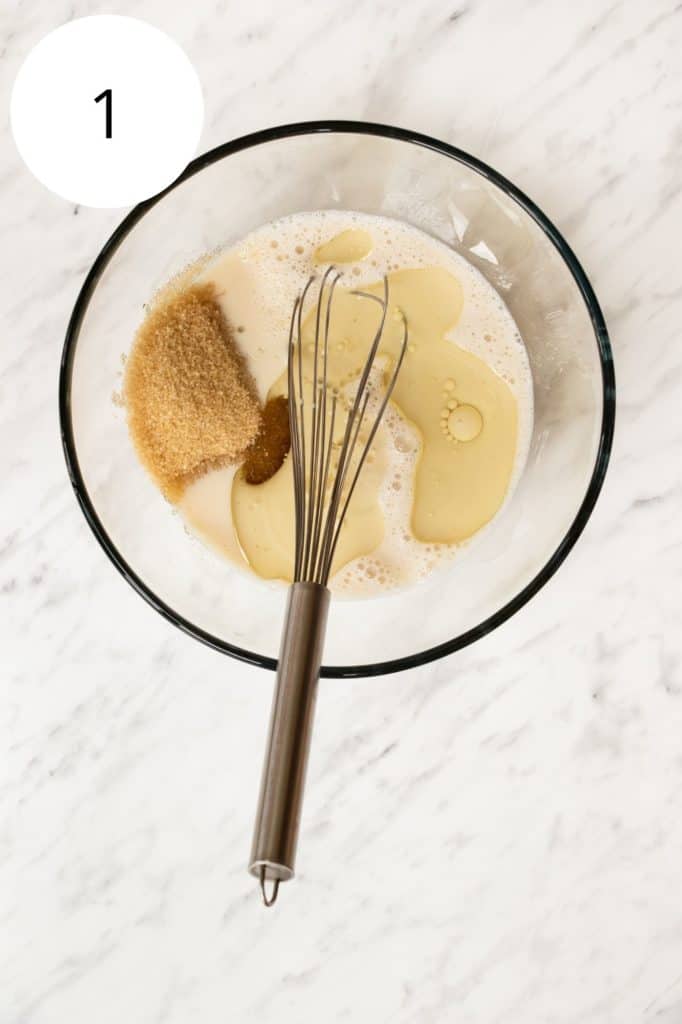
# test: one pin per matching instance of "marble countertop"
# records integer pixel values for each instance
(494, 837)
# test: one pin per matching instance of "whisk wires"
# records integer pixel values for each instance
(322, 495)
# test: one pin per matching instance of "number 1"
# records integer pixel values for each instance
(106, 95)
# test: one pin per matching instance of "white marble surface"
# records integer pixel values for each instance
(496, 837)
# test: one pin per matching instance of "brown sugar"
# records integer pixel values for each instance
(190, 401)
(269, 449)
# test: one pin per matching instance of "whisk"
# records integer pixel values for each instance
(322, 495)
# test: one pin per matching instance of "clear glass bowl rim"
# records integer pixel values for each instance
(453, 153)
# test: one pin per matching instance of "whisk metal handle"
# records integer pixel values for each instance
(275, 835)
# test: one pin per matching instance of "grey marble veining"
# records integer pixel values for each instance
(494, 837)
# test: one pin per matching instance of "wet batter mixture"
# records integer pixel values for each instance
(454, 438)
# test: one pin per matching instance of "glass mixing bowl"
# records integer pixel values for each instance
(459, 200)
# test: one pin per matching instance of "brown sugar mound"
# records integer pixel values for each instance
(269, 449)
(190, 401)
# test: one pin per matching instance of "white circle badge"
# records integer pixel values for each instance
(106, 111)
